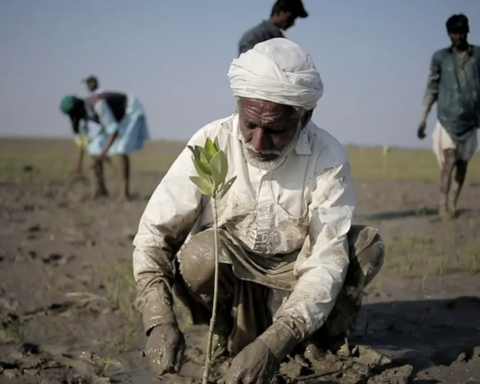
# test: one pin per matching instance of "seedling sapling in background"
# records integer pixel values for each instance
(211, 165)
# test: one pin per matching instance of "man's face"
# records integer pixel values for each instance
(286, 20)
(92, 85)
(458, 37)
(269, 130)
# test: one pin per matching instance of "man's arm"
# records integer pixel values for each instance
(321, 275)
(108, 122)
(431, 93)
(78, 127)
(166, 222)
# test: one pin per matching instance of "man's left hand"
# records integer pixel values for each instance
(421, 130)
(255, 364)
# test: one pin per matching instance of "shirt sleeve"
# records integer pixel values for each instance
(106, 117)
(321, 275)
(433, 81)
(168, 218)
(84, 130)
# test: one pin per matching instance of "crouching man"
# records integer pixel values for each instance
(285, 225)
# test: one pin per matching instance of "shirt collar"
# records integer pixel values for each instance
(303, 143)
(470, 49)
(272, 27)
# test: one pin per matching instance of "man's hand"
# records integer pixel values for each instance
(255, 364)
(165, 349)
(421, 130)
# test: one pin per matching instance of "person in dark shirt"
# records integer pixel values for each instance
(454, 83)
(283, 16)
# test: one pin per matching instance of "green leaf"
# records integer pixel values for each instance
(219, 167)
(215, 143)
(202, 168)
(197, 151)
(209, 150)
(227, 186)
(205, 163)
(201, 172)
(203, 185)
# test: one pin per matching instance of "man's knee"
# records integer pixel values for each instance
(368, 248)
(197, 261)
(450, 156)
(371, 259)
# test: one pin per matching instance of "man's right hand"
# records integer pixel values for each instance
(165, 349)
(421, 130)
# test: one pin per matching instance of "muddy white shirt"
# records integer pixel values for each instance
(306, 202)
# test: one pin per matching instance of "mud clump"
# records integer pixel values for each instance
(393, 376)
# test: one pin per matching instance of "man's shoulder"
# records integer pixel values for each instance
(252, 30)
(221, 128)
(475, 50)
(441, 53)
(325, 146)
(444, 52)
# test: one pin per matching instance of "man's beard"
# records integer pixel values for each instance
(254, 157)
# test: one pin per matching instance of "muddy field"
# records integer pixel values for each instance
(66, 289)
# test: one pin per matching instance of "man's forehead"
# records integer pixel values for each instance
(265, 105)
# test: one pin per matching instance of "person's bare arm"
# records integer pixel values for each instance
(77, 132)
(108, 121)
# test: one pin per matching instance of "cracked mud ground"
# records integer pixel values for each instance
(66, 289)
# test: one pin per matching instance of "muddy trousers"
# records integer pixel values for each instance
(245, 309)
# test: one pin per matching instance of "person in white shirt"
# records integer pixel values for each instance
(285, 226)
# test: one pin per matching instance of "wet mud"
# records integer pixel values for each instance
(66, 291)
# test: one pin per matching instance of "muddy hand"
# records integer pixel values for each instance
(255, 364)
(165, 349)
(421, 130)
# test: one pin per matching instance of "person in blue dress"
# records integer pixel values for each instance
(124, 129)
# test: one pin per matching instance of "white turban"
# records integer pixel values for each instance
(277, 70)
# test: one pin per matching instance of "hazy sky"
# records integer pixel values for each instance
(373, 56)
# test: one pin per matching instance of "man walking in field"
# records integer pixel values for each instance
(285, 224)
(454, 83)
(283, 16)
